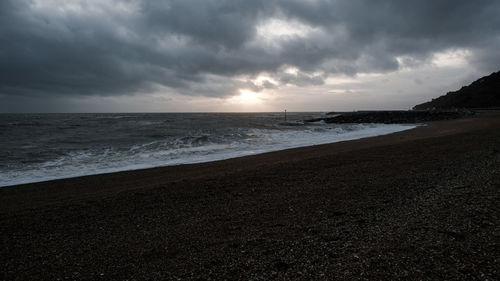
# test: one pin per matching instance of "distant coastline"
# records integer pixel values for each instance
(393, 116)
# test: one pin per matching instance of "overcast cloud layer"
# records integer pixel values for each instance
(212, 48)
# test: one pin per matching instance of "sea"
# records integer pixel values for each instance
(40, 147)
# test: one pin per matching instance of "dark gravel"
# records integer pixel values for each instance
(416, 205)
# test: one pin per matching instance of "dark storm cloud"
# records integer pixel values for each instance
(198, 47)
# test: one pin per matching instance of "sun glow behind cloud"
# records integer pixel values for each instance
(247, 101)
(247, 97)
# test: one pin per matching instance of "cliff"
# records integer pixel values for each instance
(482, 93)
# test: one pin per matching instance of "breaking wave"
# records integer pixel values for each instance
(136, 142)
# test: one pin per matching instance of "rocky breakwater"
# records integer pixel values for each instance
(392, 117)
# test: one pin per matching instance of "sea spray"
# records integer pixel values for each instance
(38, 147)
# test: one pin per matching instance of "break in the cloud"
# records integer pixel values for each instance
(61, 50)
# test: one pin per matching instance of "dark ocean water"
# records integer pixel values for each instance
(37, 147)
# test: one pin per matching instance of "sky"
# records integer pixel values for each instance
(240, 55)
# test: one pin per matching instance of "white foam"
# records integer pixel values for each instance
(139, 157)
